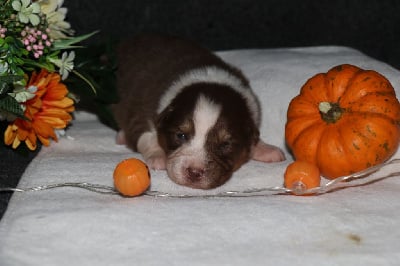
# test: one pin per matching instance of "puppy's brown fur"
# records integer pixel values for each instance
(163, 129)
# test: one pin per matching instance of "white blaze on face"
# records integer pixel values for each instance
(205, 116)
(193, 154)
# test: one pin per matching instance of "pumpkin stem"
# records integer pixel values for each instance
(330, 112)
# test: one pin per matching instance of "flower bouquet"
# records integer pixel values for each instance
(36, 58)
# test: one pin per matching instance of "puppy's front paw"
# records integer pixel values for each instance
(267, 153)
(156, 161)
(152, 153)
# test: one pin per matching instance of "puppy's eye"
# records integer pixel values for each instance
(181, 136)
(225, 145)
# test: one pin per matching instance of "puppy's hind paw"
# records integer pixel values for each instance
(267, 153)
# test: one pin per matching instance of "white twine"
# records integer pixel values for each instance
(353, 180)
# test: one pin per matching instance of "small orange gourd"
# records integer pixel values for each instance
(301, 175)
(131, 177)
(344, 121)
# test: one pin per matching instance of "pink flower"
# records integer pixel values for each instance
(33, 40)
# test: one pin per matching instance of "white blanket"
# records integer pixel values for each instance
(71, 226)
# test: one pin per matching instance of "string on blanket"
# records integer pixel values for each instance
(353, 180)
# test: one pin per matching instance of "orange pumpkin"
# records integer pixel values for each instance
(131, 177)
(344, 121)
(300, 176)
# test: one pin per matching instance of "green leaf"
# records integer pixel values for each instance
(46, 65)
(69, 43)
(5, 81)
(10, 105)
(11, 78)
(18, 61)
(4, 88)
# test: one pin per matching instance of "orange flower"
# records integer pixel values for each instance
(49, 110)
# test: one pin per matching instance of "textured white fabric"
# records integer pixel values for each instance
(71, 226)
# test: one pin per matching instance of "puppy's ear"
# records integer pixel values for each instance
(162, 120)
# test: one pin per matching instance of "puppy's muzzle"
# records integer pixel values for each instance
(195, 174)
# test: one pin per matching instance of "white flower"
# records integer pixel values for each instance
(66, 63)
(21, 95)
(48, 6)
(27, 11)
(59, 28)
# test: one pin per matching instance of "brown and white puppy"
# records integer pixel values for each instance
(187, 111)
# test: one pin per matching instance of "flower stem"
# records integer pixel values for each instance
(86, 80)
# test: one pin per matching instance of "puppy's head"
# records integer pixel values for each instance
(207, 133)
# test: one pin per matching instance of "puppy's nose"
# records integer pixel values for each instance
(195, 174)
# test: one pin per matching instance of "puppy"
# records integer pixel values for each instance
(187, 111)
